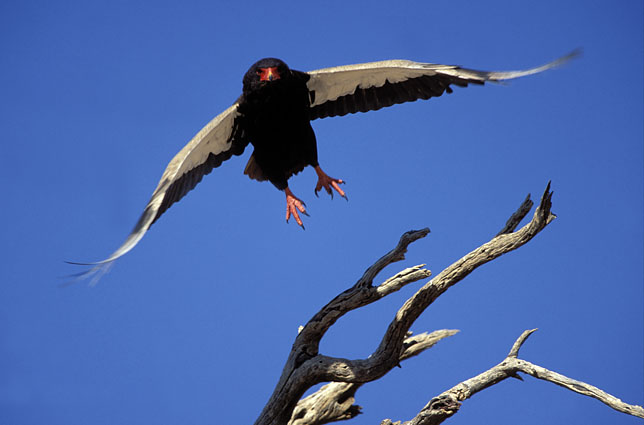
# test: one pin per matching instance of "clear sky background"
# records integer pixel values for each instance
(194, 325)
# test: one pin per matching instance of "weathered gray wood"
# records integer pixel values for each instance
(515, 219)
(334, 401)
(306, 367)
(296, 378)
(448, 403)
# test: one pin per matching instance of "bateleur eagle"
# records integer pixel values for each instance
(274, 114)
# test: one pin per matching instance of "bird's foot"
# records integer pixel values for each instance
(293, 205)
(328, 183)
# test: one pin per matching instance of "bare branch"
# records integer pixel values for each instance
(334, 401)
(306, 367)
(414, 345)
(578, 387)
(448, 403)
(401, 279)
(290, 387)
(363, 293)
(396, 254)
(386, 355)
(515, 219)
(514, 351)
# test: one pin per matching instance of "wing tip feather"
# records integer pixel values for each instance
(509, 75)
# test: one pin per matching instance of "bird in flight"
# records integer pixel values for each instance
(274, 114)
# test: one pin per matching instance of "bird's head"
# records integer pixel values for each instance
(264, 72)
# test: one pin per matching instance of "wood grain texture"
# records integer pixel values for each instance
(448, 403)
(306, 366)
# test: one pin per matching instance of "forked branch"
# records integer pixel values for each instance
(306, 367)
(334, 401)
(448, 403)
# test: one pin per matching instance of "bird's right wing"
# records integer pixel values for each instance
(216, 142)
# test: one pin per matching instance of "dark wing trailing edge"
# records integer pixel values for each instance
(216, 142)
(370, 86)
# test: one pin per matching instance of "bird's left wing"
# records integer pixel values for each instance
(370, 86)
(216, 142)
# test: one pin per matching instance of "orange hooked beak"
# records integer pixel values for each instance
(268, 74)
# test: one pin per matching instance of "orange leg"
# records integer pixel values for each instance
(328, 183)
(293, 204)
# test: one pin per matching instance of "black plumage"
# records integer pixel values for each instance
(274, 114)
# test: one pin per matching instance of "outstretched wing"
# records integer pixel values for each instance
(370, 86)
(221, 138)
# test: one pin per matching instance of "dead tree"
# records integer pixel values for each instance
(306, 366)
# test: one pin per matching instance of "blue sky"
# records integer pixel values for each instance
(193, 326)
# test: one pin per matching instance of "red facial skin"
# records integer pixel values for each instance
(268, 74)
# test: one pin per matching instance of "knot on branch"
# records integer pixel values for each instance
(444, 403)
(333, 402)
(440, 408)
(302, 356)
